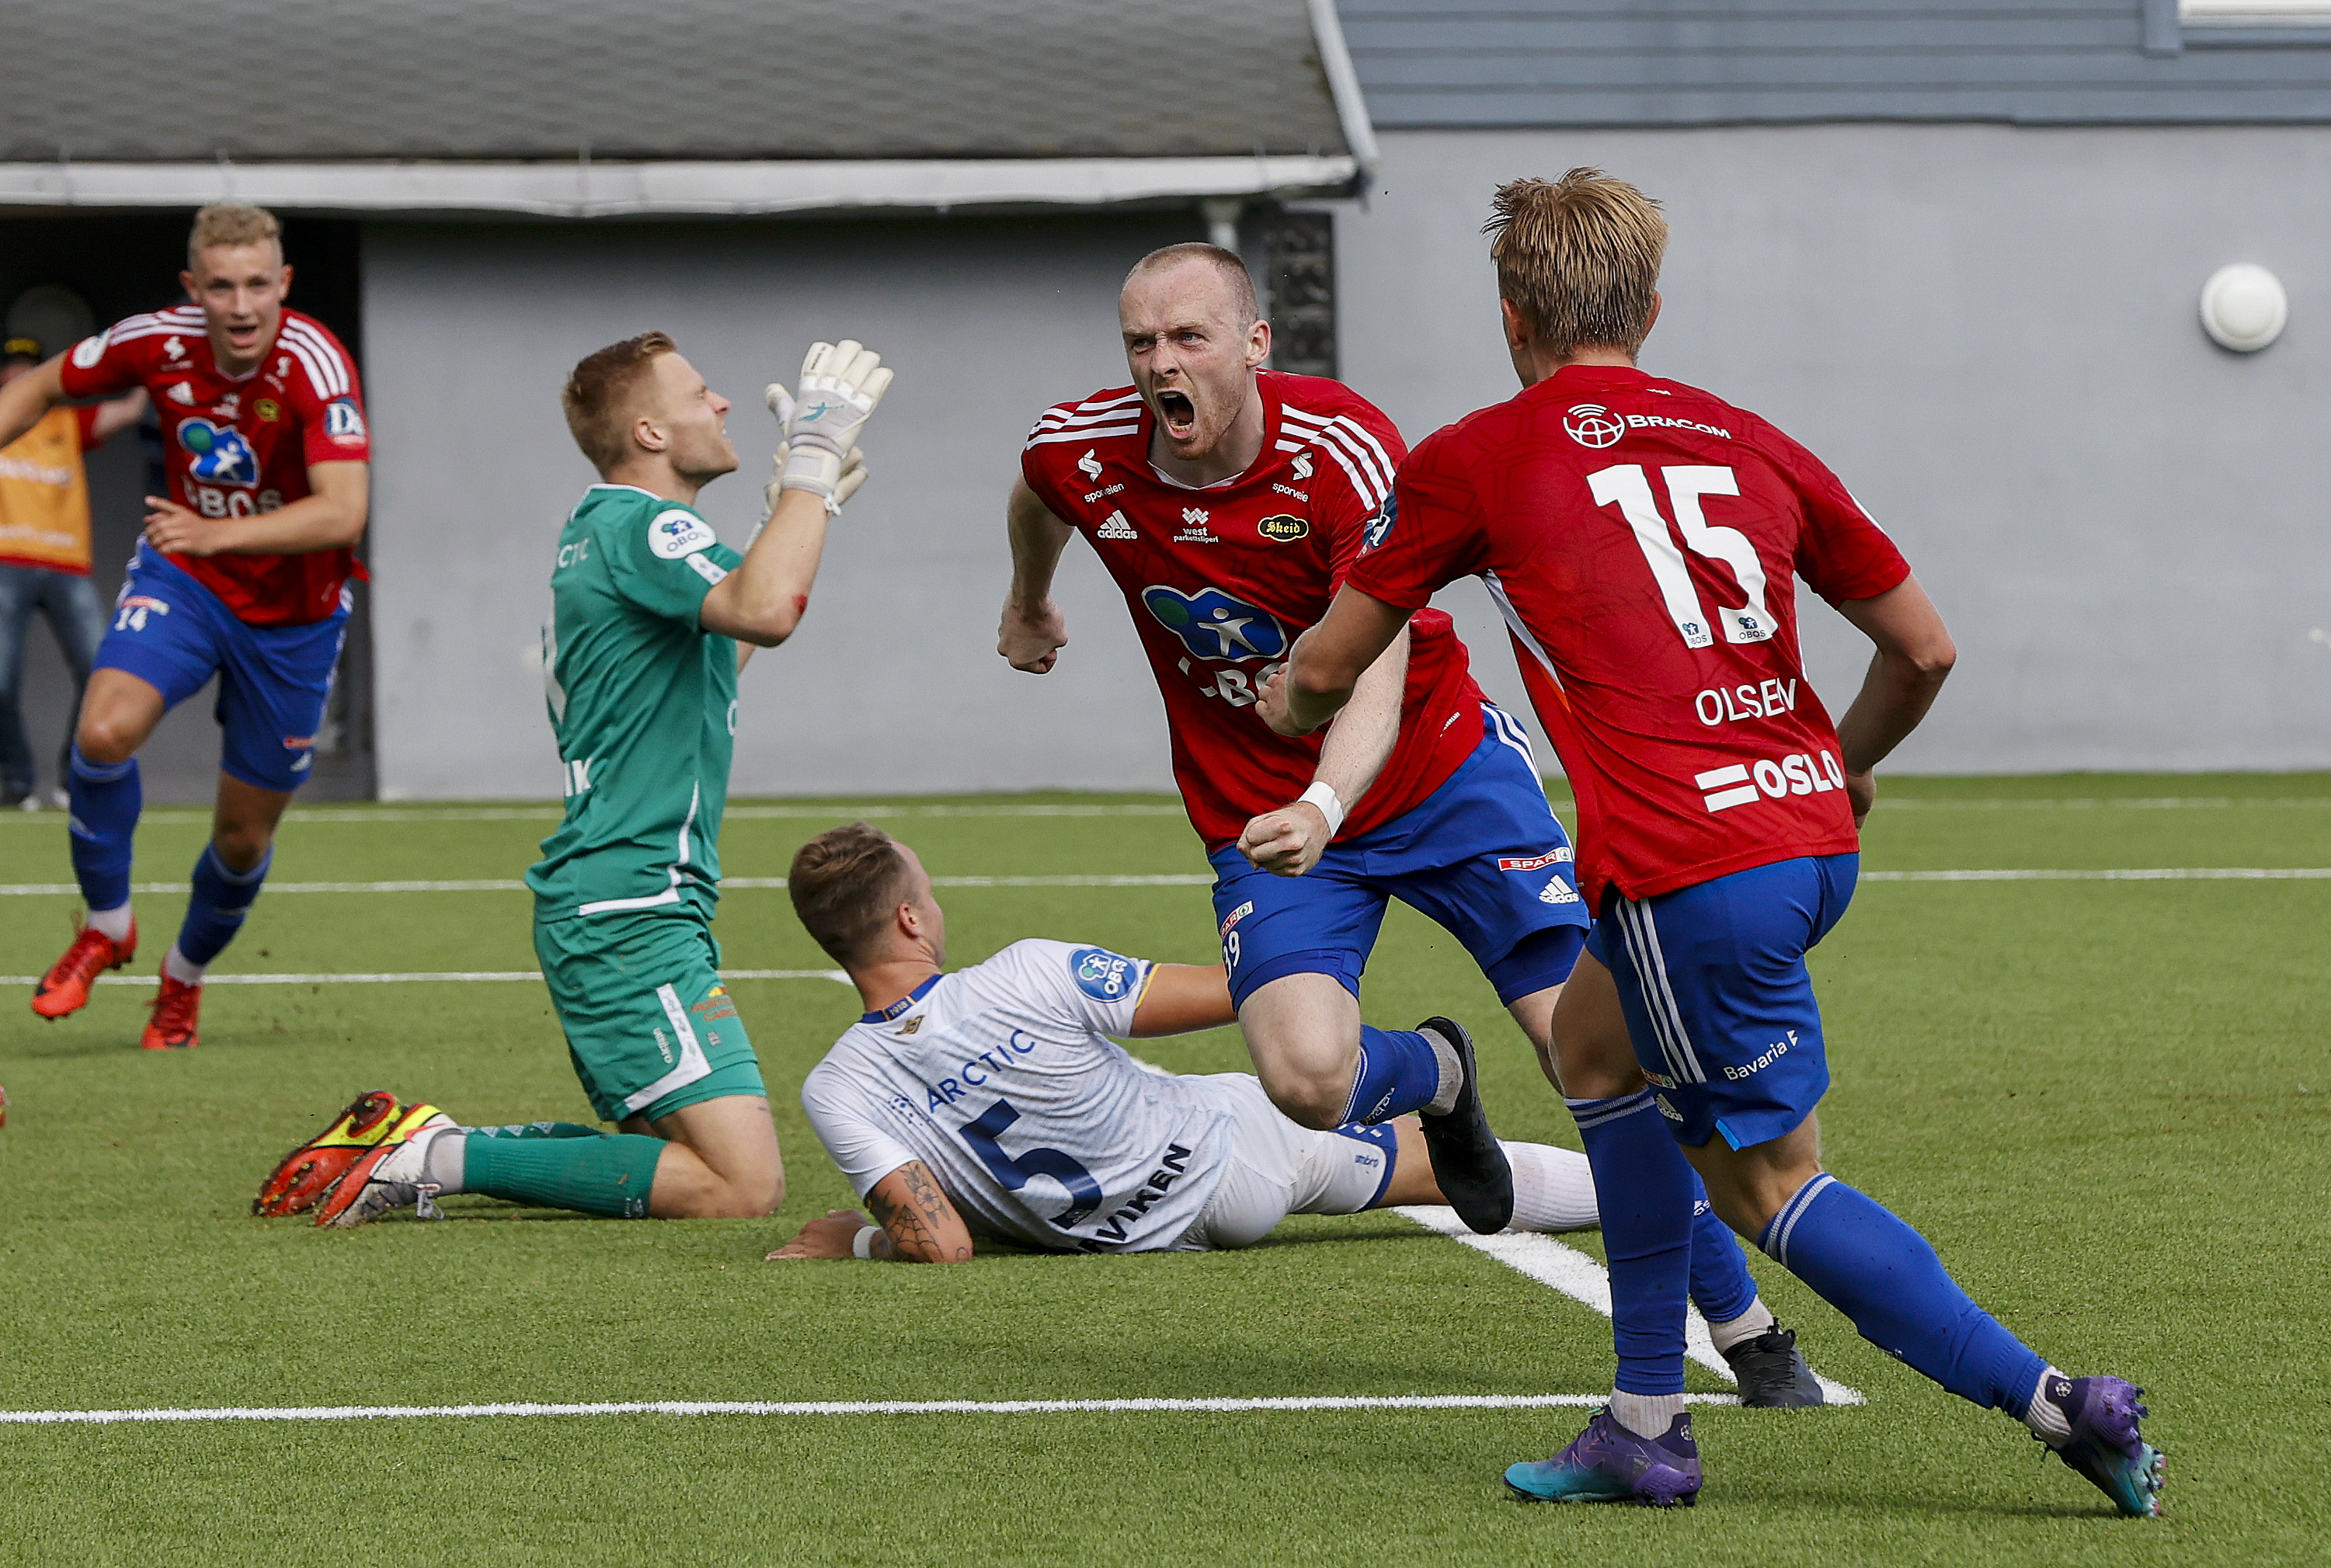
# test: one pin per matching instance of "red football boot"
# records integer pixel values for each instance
(65, 987)
(172, 1027)
(305, 1174)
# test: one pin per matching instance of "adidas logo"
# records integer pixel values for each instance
(1557, 891)
(1114, 526)
(182, 393)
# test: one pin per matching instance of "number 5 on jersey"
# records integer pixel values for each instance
(1626, 486)
(1013, 1171)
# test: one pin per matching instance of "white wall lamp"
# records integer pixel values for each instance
(2243, 307)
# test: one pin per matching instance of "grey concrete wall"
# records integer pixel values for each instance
(1990, 333)
(893, 683)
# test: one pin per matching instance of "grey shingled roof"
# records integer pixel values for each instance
(138, 80)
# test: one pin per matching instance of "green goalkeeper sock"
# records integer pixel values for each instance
(606, 1174)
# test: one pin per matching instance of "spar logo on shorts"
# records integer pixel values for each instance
(1212, 624)
(1562, 856)
(1103, 975)
(129, 614)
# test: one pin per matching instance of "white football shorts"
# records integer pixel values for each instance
(1274, 1168)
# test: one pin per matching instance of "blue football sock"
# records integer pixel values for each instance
(105, 800)
(1721, 1286)
(1645, 1192)
(1882, 1274)
(220, 900)
(1399, 1072)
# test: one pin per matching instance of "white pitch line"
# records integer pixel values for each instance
(448, 976)
(729, 884)
(934, 1407)
(2118, 874)
(1577, 1276)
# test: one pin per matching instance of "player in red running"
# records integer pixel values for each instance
(1644, 541)
(1228, 501)
(243, 572)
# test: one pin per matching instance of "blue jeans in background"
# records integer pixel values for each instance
(77, 615)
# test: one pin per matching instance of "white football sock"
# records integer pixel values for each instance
(1452, 1074)
(114, 924)
(180, 968)
(2044, 1416)
(444, 1155)
(1554, 1189)
(1748, 1326)
(1647, 1415)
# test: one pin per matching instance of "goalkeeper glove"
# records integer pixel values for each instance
(841, 383)
(853, 475)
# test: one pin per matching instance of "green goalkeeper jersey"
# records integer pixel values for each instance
(643, 701)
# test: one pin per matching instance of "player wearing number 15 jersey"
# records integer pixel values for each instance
(1644, 539)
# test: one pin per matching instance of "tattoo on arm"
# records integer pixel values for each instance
(913, 1228)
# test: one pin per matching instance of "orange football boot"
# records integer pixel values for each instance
(65, 987)
(307, 1172)
(172, 1027)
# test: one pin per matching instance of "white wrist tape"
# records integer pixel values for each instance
(862, 1244)
(1330, 805)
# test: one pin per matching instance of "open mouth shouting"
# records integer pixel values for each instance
(1178, 414)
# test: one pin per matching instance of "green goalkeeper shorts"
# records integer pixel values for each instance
(648, 1022)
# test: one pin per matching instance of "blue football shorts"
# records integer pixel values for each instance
(171, 633)
(1718, 1003)
(1483, 856)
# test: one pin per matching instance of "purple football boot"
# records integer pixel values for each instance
(2105, 1447)
(1606, 1463)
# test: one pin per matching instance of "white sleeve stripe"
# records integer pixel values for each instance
(321, 358)
(1110, 402)
(1355, 437)
(1056, 422)
(315, 371)
(126, 333)
(325, 357)
(1380, 482)
(1359, 480)
(1040, 439)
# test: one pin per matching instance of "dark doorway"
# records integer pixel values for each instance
(120, 265)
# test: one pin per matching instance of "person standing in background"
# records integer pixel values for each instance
(45, 559)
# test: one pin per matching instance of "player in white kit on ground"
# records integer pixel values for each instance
(991, 1102)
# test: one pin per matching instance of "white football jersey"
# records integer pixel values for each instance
(1000, 1078)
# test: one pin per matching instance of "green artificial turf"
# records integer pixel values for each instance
(2104, 1101)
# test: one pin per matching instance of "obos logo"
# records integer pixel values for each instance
(1284, 528)
(222, 457)
(1214, 625)
(1103, 975)
(1592, 424)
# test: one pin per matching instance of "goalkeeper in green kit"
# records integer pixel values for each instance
(651, 619)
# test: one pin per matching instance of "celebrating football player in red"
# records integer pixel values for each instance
(1228, 501)
(1644, 541)
(243, 572)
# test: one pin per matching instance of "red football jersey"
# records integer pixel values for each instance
(240, 445)
(1643, 539)
(1222, 581)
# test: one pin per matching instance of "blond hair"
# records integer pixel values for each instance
(846, 883)
(1578, 258)
(600, 396)
(1244, 302)
(230, 224)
